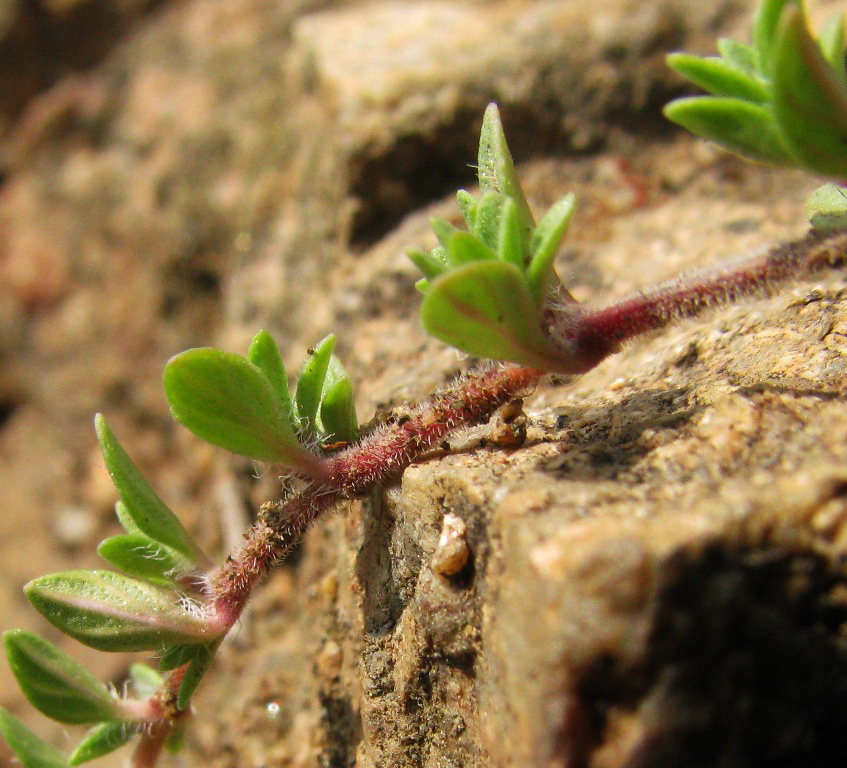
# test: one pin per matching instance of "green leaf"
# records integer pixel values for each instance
(484, 308)
(831, 43)
(307, 396)
(176, 738)
(145, 680)
(827, 208)
(176, 656)
(464, 248)
(28, 748)
(739, 126)
(199, 658)
(510, 240)
(764, 29)
(739, 56)
(545, 243)
(714, 75)
(443, 230)
(495, 166)
(488, 215)
(140, 556)
(429, 264)
(111, 612)
(125, 518)
(337, 418)
(467, 205)
(228, 401)
(264, 354)
(140, 504)
(809, 102)
(54, 683)
(101, 740)
(203, 657)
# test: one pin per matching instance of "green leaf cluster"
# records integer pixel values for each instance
(485, 288)
(240, 403)
(243, 403)
(61, 688)
(781, 100)
(140, 609)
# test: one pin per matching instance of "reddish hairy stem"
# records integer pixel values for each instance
(163, 703)
(358, 470)
(589, 336)
(584, 336)
(150, 744)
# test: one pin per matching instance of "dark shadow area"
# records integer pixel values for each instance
(7, 408)
(383, 596)
(341, 723)
(745, 665)
(419, 169)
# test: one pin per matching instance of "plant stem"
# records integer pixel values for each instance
(587, 336)
(592, 335)
(472, 399)
(150, 744)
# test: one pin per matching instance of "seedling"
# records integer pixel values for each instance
(490, 291)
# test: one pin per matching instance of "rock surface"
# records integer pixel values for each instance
(655, 577)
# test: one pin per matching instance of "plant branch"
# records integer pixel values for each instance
(590, 336)
(472, 399)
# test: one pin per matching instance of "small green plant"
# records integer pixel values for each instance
(490, 291)
(781, 100)
(485, 290)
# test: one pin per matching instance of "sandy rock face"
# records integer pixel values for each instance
(650, 573)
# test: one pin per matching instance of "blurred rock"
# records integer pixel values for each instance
(45, 40)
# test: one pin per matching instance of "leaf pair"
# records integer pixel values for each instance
(33, 752)
(111, 611)
(156, 547)
(485, 289)
(243, 403)
(781, 100)
(62, 689)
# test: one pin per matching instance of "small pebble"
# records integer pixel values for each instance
(452, 552)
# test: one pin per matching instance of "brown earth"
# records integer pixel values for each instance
(656, 577)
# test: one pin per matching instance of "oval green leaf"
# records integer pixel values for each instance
(264, 354)
(229, 402)
(338, 411)
(101, 740)
(496, 170)
(827, 208)
(307, 395)
(764, 28)
(809, 102)
(138, 555)
(545, 243)
(54, 683)
(484, 309)
(111, 612)
(740, 126)
(714, 75)
(202, 659)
